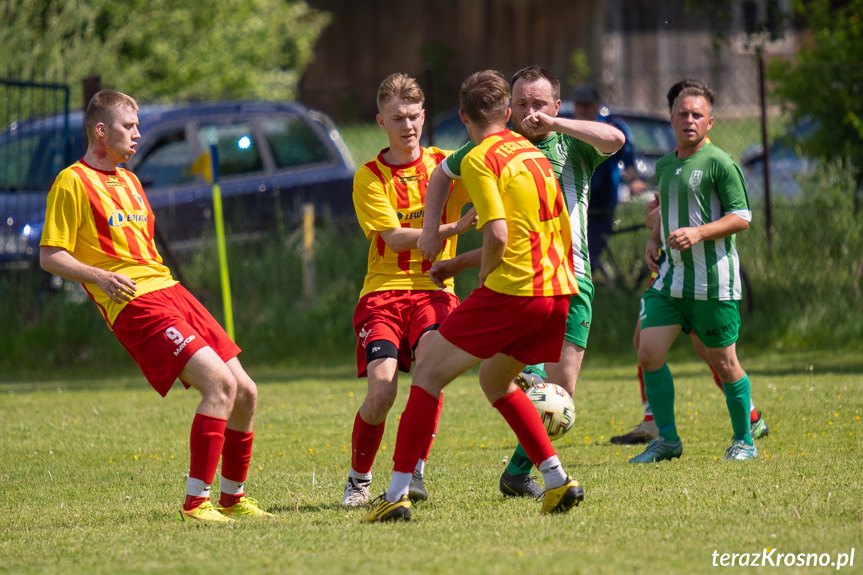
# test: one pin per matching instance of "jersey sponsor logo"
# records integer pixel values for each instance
(118, 219)
(411, 215)
(175, 336)
(695, 178)
(113, 183)
(413, 178)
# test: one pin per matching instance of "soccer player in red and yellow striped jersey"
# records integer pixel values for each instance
(399, 306)
(518, 314)
(99, 231)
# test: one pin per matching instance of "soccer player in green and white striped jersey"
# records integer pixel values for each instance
(703, 204)
(574, 148)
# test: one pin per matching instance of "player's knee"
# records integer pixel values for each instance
(649, 360)
(223, 389)
(247, 395)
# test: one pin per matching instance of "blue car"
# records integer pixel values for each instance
(273, 158)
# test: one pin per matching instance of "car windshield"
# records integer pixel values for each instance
(651, 137)
(31, 161)
(293, 142)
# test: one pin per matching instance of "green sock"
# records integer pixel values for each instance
(659, 389)
(519, 463)
(538, 369)
(737, 398)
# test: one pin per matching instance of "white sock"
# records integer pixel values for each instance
(647, 410)
(421, 467)
(399, 485)
(197, 488)
(751, 405)
(360, 476)
(230, 487)
(552, 472)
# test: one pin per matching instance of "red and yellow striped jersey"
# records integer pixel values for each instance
(104, 220)
(387, 197)
(508, 178)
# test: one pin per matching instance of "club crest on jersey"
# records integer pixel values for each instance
(138, 198)
(695, 178)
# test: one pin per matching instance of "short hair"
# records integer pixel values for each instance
(102, 107)
(484, 96)
(402, 86)
(704, 92)
(677, 88)
(534, 73)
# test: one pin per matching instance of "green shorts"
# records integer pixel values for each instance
(715, 322)
(580, 313)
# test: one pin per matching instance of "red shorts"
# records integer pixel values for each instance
(399, 317)
(161, 330)
(529, 329)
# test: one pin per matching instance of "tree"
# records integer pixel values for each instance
(164, 50)
(826, 81)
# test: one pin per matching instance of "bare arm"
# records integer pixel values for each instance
(685, 238)
(494, 240)
(58, 261)
(604, 137)
(437, 192)
(442, 270)
(401, 239)
(651, 252)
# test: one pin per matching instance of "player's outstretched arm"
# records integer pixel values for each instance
(604, 137)
(437, 192)
(442, 270)
(58, 261)
(466, 222)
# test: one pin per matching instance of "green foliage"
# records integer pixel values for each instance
(826, 80)
(164, 50)
(92, 473)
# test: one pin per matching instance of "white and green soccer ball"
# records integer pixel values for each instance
(555, 407)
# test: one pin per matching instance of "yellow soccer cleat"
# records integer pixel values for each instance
(562, 499)
(205, 513)
(383, 510)
(246, 507)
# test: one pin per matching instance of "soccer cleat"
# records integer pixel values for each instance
(383, 510)
(417, 490)
(759, 427)
(356, 492)
(527, 379)
(741, 450)
(645, 432)
(519, 485)
(246, 507)
(562, 499)
(204, 513)
(659, 449)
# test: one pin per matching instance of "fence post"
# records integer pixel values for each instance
(91, 85)
(309, 252)
(765, 145)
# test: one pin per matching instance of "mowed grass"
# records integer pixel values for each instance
(92, 475)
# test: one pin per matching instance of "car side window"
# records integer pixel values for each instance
(293, 142)
(167, 161)
(238, 151)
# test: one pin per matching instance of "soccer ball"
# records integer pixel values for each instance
(555, 407)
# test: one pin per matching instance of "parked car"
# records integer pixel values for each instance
(788, 163)
(652, 136)
(273, 157)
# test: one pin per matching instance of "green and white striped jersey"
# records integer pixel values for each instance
(574, 162)
(695, 191)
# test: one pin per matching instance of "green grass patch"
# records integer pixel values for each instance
(92, 475)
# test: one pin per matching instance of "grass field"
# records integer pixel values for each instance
(92, 474)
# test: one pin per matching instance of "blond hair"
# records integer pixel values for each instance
(102, 107)
(401, 86)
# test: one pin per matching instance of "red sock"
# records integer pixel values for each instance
(416, 427)
(205, 443)
(716, 379)
(236, 455)
(648, 415)
(521, 415)
(427, 450)
(365, 441)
